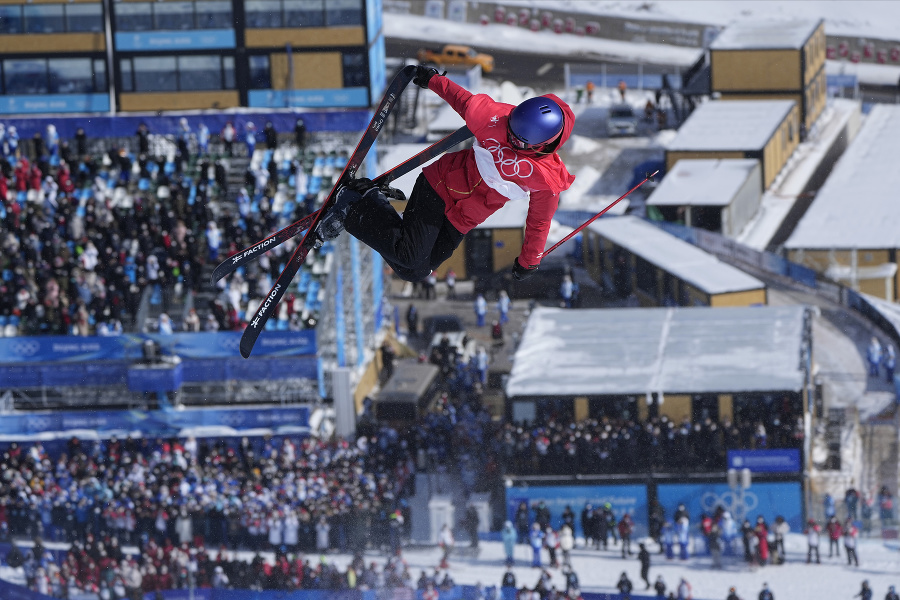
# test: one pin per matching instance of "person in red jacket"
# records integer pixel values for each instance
(835, 531)
(514, 158)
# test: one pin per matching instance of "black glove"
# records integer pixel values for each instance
(521, 273)
(360, 185)
(424, 75)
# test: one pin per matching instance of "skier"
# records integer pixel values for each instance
(766, 593)
(850, 535)
(892, 594)
(513, 158)
(732, 595)
(509, 541)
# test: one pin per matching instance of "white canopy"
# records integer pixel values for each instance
(595, 352)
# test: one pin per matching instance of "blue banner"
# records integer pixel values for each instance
(631, 499)
(54, 103)
(765, 461)
(155, 378)
(350, 97)
(104, 126)
(767, 499)
(11, 591)
(223, 344)
(201, 39)
(155, 421)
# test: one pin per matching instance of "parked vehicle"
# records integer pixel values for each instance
(622, 121)
(453, 55)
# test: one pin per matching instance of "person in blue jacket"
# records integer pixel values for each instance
(509, 541)
(536, 539)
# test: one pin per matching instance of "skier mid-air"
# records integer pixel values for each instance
(514, 158)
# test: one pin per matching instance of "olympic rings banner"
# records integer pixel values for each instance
(767, 499)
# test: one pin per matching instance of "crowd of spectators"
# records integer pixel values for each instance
(85, 232)
(177, 498)
(611, 445)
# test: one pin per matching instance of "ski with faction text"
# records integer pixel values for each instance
(267, 307)
(239, 259)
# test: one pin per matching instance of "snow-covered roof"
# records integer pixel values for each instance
(671, 350)
(510, 216)
(704, 182)
(857, 207)
(683, 260)
(731, 125)
(765, 34)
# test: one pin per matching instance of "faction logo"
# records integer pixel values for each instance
(265, 307)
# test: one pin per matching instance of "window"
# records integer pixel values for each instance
(155, 74)
(84, 18)
(645, 276)
(214, 15)
(177, 73)
(355, 73)
(134, 16)
(344, 12)
(304, 13)
(260, 75)
(11, 19)
(100, 76)
(171, 16)
(127, 75)
(228, 72)
(197, 73)
(44, 18)
(25, 76)
(71, 76)
(263, 13)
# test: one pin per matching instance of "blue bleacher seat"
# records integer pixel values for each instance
(282, 325)
(3, 320)
(14, 320)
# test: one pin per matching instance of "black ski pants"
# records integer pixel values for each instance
(413, 245)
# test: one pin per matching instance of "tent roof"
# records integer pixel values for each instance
(592, 352)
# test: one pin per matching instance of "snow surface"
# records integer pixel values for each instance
(599, 570)
(765, 34)
(857, 206)
(669, 350)
(683, 260)
(864, 18)
(740, 125)
(703, 182)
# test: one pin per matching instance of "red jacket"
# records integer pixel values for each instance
(469, 200)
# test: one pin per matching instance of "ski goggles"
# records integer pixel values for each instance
(522, 146)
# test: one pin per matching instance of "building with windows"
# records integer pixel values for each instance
(127, 55)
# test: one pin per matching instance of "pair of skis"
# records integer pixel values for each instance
(311, 240)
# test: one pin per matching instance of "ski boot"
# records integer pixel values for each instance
(332, 223)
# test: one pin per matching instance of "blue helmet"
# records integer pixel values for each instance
(534, 124)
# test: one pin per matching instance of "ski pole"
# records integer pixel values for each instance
(599, 214)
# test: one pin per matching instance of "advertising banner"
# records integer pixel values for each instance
(155, 421)
(349, 97)
(223, 344)
(766, 461)
(53, 103)
(201, 39)
(631, 499)
(767, 499)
